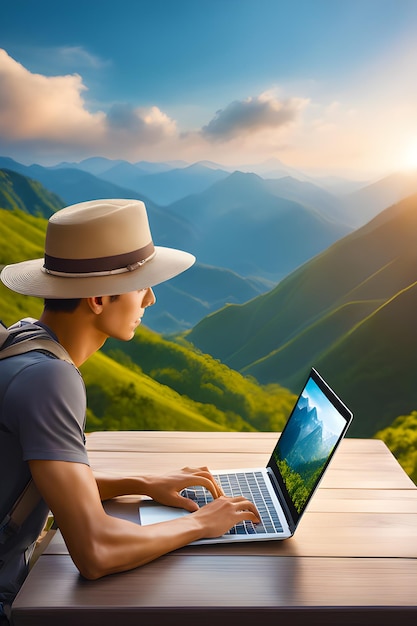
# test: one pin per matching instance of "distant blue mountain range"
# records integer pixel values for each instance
(247, 232)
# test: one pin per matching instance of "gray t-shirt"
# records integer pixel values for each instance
(42, 417)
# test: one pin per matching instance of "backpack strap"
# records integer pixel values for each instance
(29, 337)
(19, 339)
(20, 511)
(4, 334)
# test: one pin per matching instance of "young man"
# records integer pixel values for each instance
(96, 279)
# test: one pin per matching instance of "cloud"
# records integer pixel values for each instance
(47, 118)
(253, 115)
(42, 115)
(149, 125)
(33, 106)
(51, 111)
(76, 55)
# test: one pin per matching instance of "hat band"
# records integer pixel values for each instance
(103, 266)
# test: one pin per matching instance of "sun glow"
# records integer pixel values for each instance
(410, 156)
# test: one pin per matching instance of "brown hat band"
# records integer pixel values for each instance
(103, 266)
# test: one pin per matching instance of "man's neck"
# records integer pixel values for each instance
(74, 333)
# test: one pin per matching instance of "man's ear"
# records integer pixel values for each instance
(96, 304)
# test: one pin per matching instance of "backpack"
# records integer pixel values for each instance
(26, 336)
(22, 337)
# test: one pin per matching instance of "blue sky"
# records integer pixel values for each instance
(326, 86)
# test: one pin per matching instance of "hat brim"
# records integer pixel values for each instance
(28, 277)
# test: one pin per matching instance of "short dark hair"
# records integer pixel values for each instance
(66, 305)
(63, 305)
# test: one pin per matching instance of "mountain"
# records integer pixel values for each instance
(154, 167)
(295, 219)
(163, 183)
(219, 224)
(182, 302)
(92, 165)
(240, 224)
(19, 192)
(164, 188)
(70, 184)
(306, 440)
(99, 165)
(350, 311)
(273, 168)
(339, 186)
(247, 233)
(191, 296)
(313, 196)
(367, 202)
(124, 174)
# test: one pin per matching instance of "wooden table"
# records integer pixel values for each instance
(353, 559)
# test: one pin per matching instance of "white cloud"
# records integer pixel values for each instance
(52, 111)
(33, 106)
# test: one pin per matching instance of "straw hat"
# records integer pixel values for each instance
(97, 248)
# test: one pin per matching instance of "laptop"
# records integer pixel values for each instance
(283, 489)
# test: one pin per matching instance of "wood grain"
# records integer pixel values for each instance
(353, 559)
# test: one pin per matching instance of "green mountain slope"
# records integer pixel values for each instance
(349, 311)
(120, 398)
(21, 237)
(246, 404)
(20, 192)
(374, 365)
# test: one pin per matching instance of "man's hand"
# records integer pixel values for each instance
(165, 488)
(219, 516)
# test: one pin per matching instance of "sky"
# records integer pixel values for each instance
(328, 87)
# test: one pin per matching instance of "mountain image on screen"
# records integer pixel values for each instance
(303, 450)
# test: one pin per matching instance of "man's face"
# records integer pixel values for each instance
(121, 315)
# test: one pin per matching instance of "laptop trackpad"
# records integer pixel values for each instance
(151, 513)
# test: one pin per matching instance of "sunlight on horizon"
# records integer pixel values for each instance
(410, 156)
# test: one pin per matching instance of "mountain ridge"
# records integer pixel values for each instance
(239, 209)
(331, 313)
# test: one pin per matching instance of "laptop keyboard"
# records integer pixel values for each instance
(252, 486)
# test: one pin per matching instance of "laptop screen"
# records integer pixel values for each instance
(316, 425)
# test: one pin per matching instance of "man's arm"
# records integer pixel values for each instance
(100, 544)
(163, 488)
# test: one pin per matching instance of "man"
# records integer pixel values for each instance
(96, 279)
